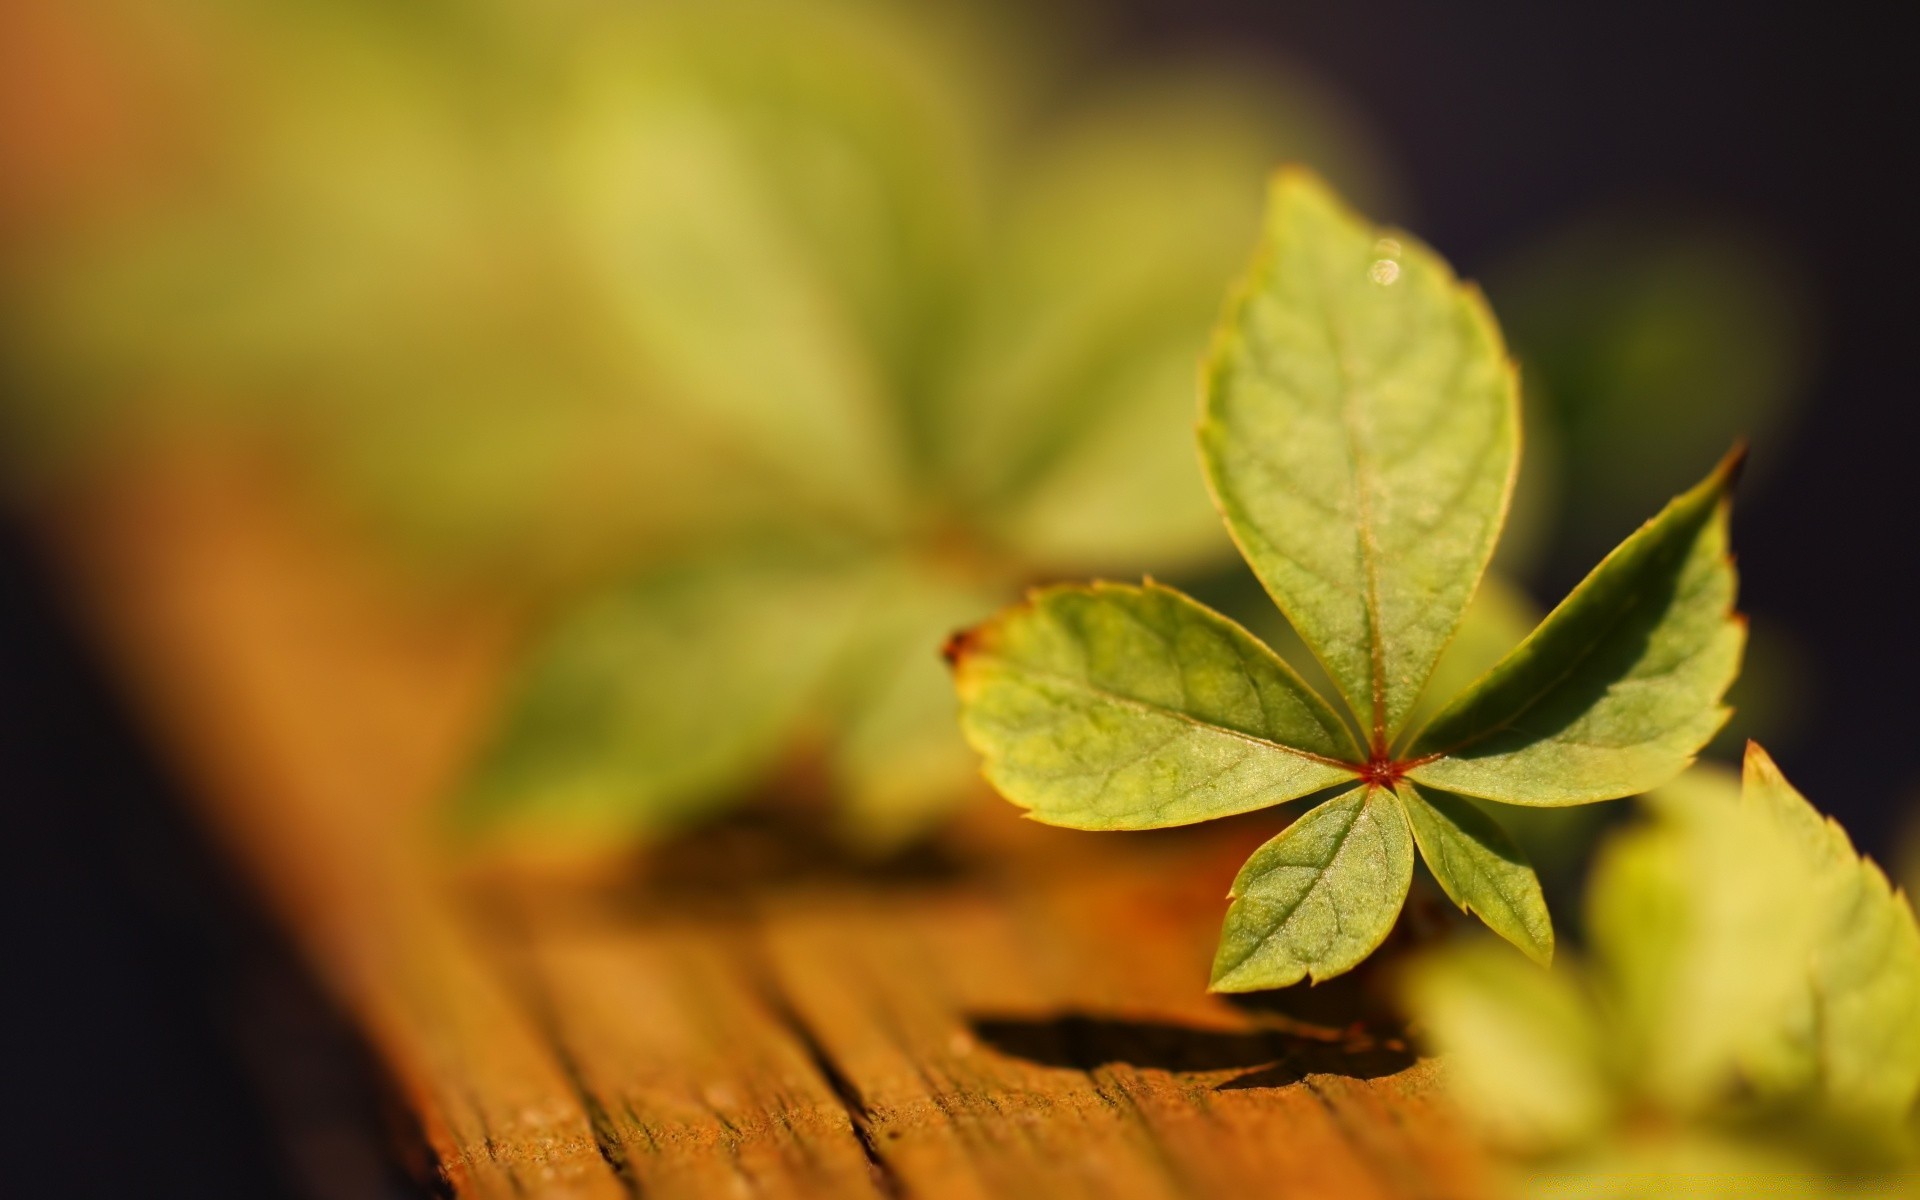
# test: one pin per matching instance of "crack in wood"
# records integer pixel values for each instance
(780, 1006)
(525, 980)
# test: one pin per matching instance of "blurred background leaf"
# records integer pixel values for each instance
(631, 310)
(1745, 1012)
(1529, 1060)
(611, 308)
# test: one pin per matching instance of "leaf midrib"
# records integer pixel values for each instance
(1319, 879)
(1082, 686)
(1363, 514)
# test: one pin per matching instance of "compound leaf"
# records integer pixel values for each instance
(1120, 707)
(1620, 686)
(1360, 432)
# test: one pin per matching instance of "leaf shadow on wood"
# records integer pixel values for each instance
(1270, 1057)
(1347, 1026)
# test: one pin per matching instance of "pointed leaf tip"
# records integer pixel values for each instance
(958, 645)
(1732, 465)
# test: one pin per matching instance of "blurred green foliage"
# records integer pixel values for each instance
(1648, 341)
(764, 343)
(944, 326)
(1748, 1016)
(608, 304)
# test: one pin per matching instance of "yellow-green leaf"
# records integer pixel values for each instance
(1750, 1014)
(1480, 868)
(1319, 898)
(899, 763)
(1620, 686)
(1853, 1031)
(1119, 707)
(649, 703)
(1699, 941)
(1068, 416)
(1523, 1049)
(768, 201)
(1360, 432)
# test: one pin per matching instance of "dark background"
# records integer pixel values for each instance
(137, 978)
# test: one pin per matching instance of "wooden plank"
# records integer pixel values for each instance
(1023, 1017)
(1034, 1031)
(695, 1077)
(1055, 1040)
(315, 715)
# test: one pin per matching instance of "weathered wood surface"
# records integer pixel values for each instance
(1019, 1014)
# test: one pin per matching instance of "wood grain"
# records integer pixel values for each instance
(1021, 1013)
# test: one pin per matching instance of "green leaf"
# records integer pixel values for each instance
(1700, 1164)
(772, 207)
(1620, 686)
(1525, 1051)
(1480, 868)
(1700, 939)
(1119, 707)
(647, 704)
(1319, 898)
(508, 461)
(1854, 1029)
(1694, 951)
(1360, 432)
(1751, 1012)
